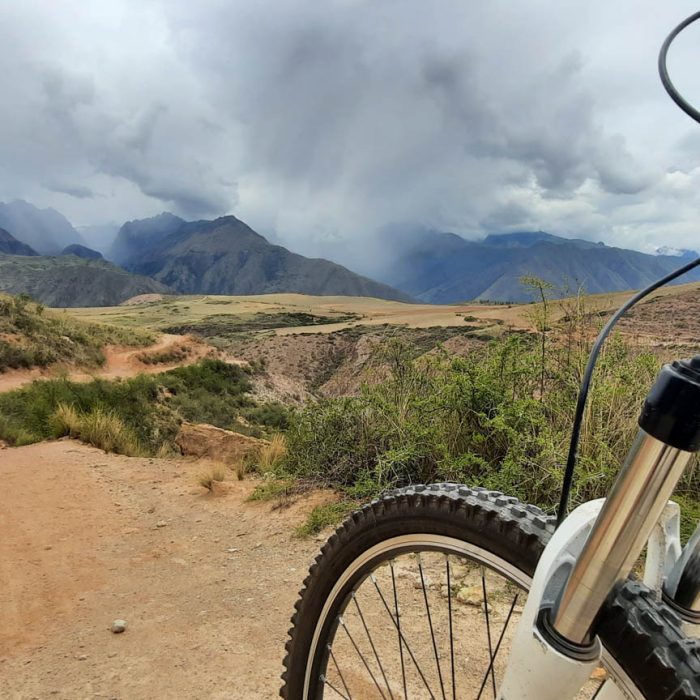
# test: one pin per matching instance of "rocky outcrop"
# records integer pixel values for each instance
(203, 440)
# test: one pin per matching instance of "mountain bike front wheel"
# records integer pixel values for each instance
(418, 594)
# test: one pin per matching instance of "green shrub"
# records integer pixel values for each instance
(324, 516)
(479, 420)
(136, 415)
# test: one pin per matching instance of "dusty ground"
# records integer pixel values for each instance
(205, 583)
(206, 596)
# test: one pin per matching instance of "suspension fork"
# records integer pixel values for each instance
(681, 590)
(555, 649)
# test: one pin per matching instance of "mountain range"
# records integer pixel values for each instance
(441, 268)
(226, 256)
(167, 254)
(68, 280)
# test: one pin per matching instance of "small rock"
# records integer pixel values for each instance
(82, 657)
(232, 549)
(161, 523)
(470, 595)
(118, 626)
(48, 546)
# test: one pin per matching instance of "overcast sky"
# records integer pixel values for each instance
(320, 122)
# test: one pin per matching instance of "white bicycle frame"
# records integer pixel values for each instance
(540, 670)
(536, 670)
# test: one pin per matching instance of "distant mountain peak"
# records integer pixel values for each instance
(9, 245)
(226, 256)
(82, 251)
(45, 230)
(436, 270)
(682, 253)
(139, 234)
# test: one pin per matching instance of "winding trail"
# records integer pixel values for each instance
(120, 363)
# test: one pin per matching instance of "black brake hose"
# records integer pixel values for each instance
(663, 70)
(593, 357)
(586, 382)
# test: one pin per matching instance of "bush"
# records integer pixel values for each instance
(480, 420)
(207, 479)
(269, 457)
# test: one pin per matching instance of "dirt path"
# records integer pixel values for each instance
(206, 584)
(119, 363)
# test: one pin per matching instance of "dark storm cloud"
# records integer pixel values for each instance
(323, 122)
(76, 191)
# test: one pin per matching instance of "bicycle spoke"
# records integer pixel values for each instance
(371, 643)
(430, 624)
(398, 627)
(337, 668)
(449, 612)
(325, 681)
(361, 655)
(488, 630)
(402, 638)
(498, 646)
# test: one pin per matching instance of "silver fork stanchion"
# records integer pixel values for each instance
(562, 644)
(625, 523)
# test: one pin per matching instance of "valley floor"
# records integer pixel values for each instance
(206, 584)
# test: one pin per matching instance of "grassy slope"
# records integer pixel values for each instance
(33, 337)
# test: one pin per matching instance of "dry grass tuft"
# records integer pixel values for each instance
(216, 473)
(271, 454)
(98, 427)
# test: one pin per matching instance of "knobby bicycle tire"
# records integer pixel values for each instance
(643, 637)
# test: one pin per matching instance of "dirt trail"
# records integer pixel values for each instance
(119, 363)
(206, 584)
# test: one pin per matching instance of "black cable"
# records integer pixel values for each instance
(593, 357)
(663, 70)
(585, 384)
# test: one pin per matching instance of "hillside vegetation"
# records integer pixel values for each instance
(31, 336)
(137, 416)
(498, 417)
